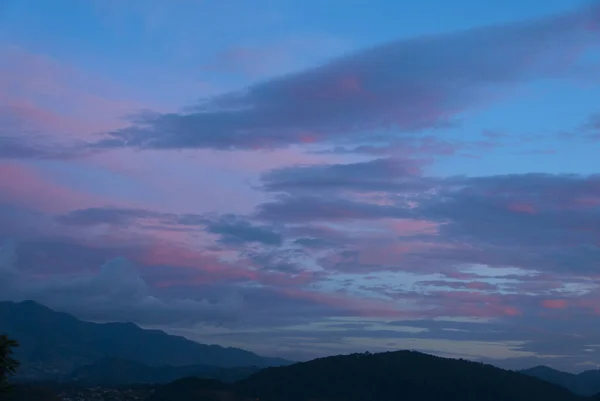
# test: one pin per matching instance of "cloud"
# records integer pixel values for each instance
(49, 110)
(162, 294)
(15, 147)
(403, 86)
(231, 229)
(374, 175)
(88, 237)
(533, 221)
(177, 286)
(280, 260)
(295, 209)
(114, 292)
(107, 215)
(554, 303)
(337, 192)
(511, 338)
(315, 243)
(22, 184)
(418, 146)
(235, 231)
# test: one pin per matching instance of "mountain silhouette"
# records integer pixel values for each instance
(390, 376)
(55, 343)
(586, 383)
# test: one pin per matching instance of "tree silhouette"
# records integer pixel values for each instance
(8, 365)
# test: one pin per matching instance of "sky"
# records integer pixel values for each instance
(303, 178)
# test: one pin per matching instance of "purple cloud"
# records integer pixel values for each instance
(235, 231)
(232, 229)
(403, 86)
(374, 175)
(310, 208)
(524, 220)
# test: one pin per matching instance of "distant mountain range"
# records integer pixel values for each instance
(586, 383)
(55, 344)
(390, 376)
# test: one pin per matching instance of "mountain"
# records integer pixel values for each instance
(548, 374)
(390, 376)
(586, 383)
(54, 343)
(110, 371)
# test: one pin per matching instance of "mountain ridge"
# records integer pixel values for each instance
(55, 343)
(387, 376)
(586, 383)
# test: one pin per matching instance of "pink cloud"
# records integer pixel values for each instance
(396, 252)
(473, 304)
(410, 227)
(189, 174)
(24, 185)
(511, 311)
(155, 248)
(180, 250)
(33, 118)
(356, 306)
(522, 208)
(53, 98)
(554, 303)
(207, 269)
(565, 194)
(166, 254)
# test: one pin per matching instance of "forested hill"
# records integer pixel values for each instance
(390, 376)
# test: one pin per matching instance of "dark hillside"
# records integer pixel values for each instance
(53, 344)
(391, 376)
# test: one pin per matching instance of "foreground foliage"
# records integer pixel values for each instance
(8, 365)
